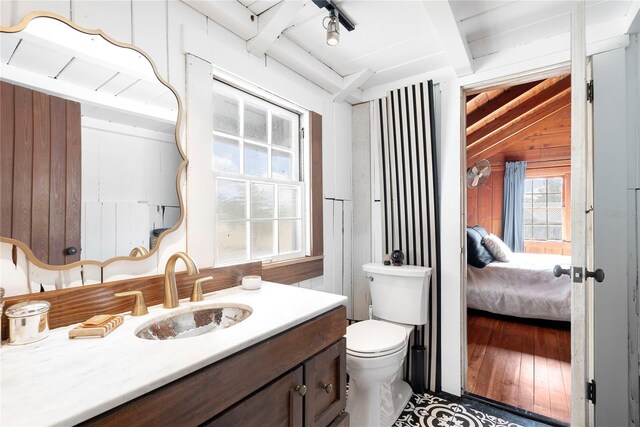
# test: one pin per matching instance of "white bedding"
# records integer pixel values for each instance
(523, 287)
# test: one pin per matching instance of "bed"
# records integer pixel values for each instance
(524, 287)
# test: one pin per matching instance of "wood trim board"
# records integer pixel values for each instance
(293, 271)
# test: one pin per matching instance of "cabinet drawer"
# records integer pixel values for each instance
(277, 404)
(325, 378)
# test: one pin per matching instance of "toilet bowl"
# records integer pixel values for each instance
(376, 349)
(375, 353)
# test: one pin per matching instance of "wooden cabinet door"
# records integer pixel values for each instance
(325, 378)
(277, 404)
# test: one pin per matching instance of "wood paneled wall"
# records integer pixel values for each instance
(41, 172)
(484, 204)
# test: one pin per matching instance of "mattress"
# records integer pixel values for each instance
(524, 287)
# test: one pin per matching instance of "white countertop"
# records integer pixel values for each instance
(62, 381)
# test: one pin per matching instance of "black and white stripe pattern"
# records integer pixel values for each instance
(406, 139)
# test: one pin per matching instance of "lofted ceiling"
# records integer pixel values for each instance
(530, 121)
(398, 39)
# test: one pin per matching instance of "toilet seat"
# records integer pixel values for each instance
(374, 338)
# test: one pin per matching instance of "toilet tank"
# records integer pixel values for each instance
(399, 294)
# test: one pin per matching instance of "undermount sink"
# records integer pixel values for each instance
(194, 322)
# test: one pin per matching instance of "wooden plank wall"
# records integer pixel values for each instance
(41, 172)
(484, 204)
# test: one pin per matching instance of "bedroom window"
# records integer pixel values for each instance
(259, 192)
(543, 209)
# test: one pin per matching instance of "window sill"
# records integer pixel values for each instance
(293, 270)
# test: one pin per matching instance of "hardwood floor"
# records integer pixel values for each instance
(522, 363)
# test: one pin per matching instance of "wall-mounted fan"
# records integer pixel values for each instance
(478, 173)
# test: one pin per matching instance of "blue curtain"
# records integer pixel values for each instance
(513, 206)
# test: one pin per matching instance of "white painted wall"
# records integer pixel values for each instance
(138, 198)
(167, 30)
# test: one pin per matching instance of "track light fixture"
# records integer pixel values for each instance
(332, 25)
(332, 22)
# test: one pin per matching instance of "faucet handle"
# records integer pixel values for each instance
(196, 293)
(139, 306)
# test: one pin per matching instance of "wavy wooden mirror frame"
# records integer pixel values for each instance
(182, 167)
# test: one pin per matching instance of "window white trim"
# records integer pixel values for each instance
(300, 169)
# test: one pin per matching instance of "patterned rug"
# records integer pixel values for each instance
(425, 410)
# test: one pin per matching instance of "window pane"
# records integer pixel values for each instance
(288, 202)
(528, 233)
(540, 232)
(281, 165)
(232, 243)
(256, 160)
(540, 200)
(555, 216)
(527, 185)
(262, 200)
(554, 200)
(528, 216)
(231, 199)
(528, 199)
(281, 131)
(255, 123)
(262, 238)
(539, 185)
(225, 115)
(289, 236)
(555, 185)
(555, 232)
(539, 216)
(226, 155)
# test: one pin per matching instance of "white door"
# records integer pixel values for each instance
(611, 239)
(581, 246)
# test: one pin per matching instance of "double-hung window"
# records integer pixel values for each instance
(543, 205)
(259, 193)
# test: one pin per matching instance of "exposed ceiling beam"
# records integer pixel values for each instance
(300, 61)
(479, 99)
(513, 131)
(271, 23)
(450, 34)
(517, 107)
(351, 83)
(632, 18)
(493, 101)
(231, 14)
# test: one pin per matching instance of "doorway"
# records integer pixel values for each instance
(518, 191)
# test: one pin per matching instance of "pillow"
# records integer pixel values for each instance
(477, 255)
(497, 247)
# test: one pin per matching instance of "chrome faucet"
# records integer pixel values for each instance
(170, 288)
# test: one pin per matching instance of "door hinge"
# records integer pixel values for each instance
(591, 391)
(301, 135)
(590, 91)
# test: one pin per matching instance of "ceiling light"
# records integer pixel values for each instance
(333, 28)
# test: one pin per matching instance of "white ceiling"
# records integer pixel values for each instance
(396, 39)
(106, 83)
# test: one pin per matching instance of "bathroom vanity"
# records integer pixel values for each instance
(284, 363)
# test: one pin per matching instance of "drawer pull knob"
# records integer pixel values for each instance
(328, 388)
(301, 389)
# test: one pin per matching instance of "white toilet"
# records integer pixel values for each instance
(377, 348)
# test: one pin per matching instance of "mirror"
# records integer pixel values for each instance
(89, 143)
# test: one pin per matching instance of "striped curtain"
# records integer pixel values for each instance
(406, 140)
